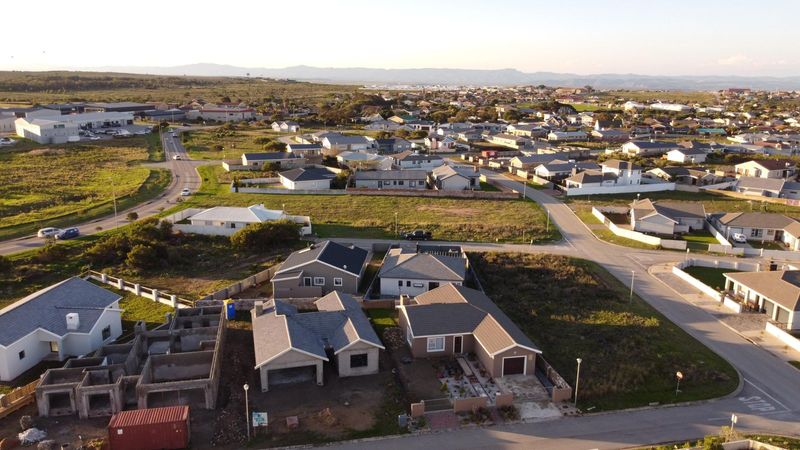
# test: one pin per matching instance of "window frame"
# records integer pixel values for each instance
(359, 356)
(338, 282)
(319, 281)
(435, 348)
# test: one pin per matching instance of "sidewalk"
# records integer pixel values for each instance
(748, 325)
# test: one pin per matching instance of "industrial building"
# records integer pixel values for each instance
(54, 128)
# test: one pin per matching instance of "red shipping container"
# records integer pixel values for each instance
(150, 429)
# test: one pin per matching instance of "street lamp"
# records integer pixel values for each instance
(246, 410)
(633, 277)
(548, 222)
(114, 199)
(396, 233)
(577, 380)
(679, 377)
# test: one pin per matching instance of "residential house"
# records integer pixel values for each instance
(449, 178)
(334, 143)
(526, 130)
(412, 272)
(414, 160)
(685, 175)
(454, 320)
(625, 172)
(667, 218)
(768, 168)
(648, 148)
(382, 125)
(286, 126)
(760, 227)
(227, 220)
(308, 178)
(776, 293)
(567, 136)
(363, 160)
(320, 269)
(393, 145)
(291, 346)
(437, 143)
(530, 162)
(558, 169)
(508, 140)
(687, 155)
(391, 179)
(768, 187)
(277, 160)
(70, 318)
(308, 151)
(611, 135)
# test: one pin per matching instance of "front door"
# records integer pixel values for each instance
(514, 365)
(458, 345)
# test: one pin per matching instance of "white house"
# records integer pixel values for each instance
(363, 160)
(308, 178)
(413, 160)
(71, 318)
(227, 220)
(648, 148)
(768, 168)
(412, 272)
(281, 160)
(566, 136)
(687, 155)
(286, 126)
(336, 143)
(625, 172)
(776, 293)
(448, 178)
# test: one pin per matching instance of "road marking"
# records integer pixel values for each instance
(765, 393)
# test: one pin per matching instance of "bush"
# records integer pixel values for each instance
(275, 146)
(5, 264)
(144, 257)
(132, 216)
(264, 236)
(51, 252)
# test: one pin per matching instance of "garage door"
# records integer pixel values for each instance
(514, 366)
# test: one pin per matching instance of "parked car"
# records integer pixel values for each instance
(68, 233)
(48, 232)
(739, 238)
(185, 192)
(418, 235)
(176, 157)
(6, 141)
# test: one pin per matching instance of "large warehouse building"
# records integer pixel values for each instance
(58, 129)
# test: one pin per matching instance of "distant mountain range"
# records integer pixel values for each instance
(472, 77)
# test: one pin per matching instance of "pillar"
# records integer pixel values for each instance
(264, 379)
(320, 379)
(120, 284)
(104, 278)
(174, 299)
(137, 289)
(155, 295)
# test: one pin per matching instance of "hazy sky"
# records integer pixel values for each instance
(677, 37)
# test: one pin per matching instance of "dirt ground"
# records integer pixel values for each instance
(418, 376)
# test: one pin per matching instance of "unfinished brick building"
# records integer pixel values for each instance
(177, 363)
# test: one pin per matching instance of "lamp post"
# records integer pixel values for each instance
(679, 377)
(577, 380)
(246, 410)
(734, 420)
(548, 222)
(114, 199)
(633, 277)
(396, 233)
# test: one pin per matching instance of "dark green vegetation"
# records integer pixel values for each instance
(140, 308)
(374, 216)
(261, 237)
(382, 319)
(710, 276)
(74, 183)
(574, 308)
(230, 141)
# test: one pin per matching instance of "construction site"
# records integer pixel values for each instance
(176, 363)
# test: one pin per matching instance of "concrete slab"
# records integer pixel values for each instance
(537, 410)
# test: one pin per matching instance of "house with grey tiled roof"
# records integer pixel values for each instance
(293, 346)
(411, 272)
(758, 226)
(320, 269)
(666, 218)
(768, 187)
(453, 320)
(70, 318)
(775, 293)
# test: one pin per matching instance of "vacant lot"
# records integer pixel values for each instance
(60, 185)
(230, 144)
(573, 308)
(374, 216)
(709, 275)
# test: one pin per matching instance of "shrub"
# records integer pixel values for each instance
(51, 252)
(111, 250)
(132, 216)
(5, 264)
(264, 236)
(275, 146)
(144, 257)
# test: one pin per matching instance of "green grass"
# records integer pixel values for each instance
(200, 143)
(140, 308)
(488, 187)
(603, 233)
(710, 276)
(382, 319)
(796, 364)
(62, 185)
(363, 216)
(767, 245)
(699, 240)
(575, 308)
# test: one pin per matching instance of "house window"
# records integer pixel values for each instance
(360, 360)
(306, 281)
(408, 284)
(418, 285)
(319, 281)
(22, 354)
(436, 344)
(756, 232)
(106, 332)
(400, 283)
(337, 282)
(54, 346)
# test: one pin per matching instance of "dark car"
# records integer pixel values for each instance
(418, 235)
(68, 233)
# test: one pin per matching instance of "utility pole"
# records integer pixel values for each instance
(577, 380)
(633, 277)
(247, 410)
(548, 221)
(114, 200)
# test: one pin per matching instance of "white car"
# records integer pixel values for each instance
(177, 157)
(48, 232)
(185, 192)
(739, 238)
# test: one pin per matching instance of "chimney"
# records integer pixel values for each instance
(73, 321)
(259, 307)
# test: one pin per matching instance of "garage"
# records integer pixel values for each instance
(292, 375)
(514, 365)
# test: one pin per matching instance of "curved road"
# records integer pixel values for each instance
(184, 175)
(769, 400)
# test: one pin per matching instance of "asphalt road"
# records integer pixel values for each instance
(184, 175)
(769, 400)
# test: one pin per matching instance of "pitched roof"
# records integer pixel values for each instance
(672, 210)
(445, 171)
(689, 151)
(768, 184)
(270, 156)
(621, 165)
(654, 144)
(250, 214)
(343, 139)
(410, 174)
(47, 309)
(592, 176)
(350, 259)
(308, 174)
(782, 287)
(772, 164)
(401, 263)
(437, 308)
(338, 322)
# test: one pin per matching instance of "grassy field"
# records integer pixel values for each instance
(574, 308)
(699, 240)
(139, 308)
(605, 234)
(686, 97)
(62, 185)
(363, 216)
(710, 276)
(200, 143)
(382, 319)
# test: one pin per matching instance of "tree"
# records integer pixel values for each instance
(132, 216)
(264, 236)
(275, 146)
(340, 180)
(143, 257)
(5, 264)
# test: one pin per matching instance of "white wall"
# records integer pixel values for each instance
(76, 344)
(623, 189)
(35, 350)
(389, 286)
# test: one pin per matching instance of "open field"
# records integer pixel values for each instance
(60, 185)
(200, 144)
(685, 97)
(49, 87)
(709, 275)
(574, 308)
(374, 216)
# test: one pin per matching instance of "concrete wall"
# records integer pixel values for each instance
(253, 280)
(293, 288)
(343, 360)
(389, 286)
(783, 336)
(637, 236)
(621, 189)
(493, 195)
(469, 404)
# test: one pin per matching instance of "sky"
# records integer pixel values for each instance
(650, 37)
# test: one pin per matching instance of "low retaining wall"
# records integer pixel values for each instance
(726, 249)
(242, 285)
(141, 291)
(637, 236)
(623, 189)
(732, 304)
(697, 284)
(492, 195)
(469, 404)
(561, 391)
(784, 336)
(717, 235)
